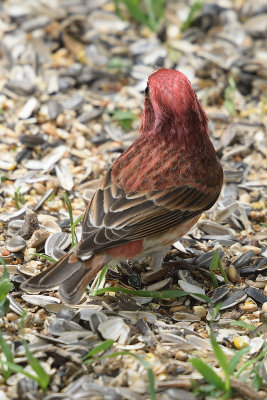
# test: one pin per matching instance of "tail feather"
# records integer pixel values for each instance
(53, 276)
(71, 274)
(72, 290)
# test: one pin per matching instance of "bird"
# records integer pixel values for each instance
(153, 194)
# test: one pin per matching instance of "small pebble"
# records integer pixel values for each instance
(29, 107)
(80, 142)
(177, 308)
(173, 31)
(12, 316)
(49, 128)
(232, 274)
(249, 306)
(162, 377)
(181, 355)
(40, 317)
(5, 253)
(245, 198)
(54, 205)
(61, 121)
(38, 238)
(259, 285)
(264, 306)
(256, 250)
(39, 188)
(9, 258)
(236, 248)
(154, 306)
(29, 254)
(241, 341)
(263, 316)
(200, 311)
(35, 265)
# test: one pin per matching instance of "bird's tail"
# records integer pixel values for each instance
(70, 273)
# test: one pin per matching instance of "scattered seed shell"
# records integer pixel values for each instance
(16, 244)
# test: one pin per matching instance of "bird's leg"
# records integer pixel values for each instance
(156, 260)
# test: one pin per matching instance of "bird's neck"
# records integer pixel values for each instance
(179, 132)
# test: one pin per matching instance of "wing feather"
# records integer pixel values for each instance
(114, 217)
(97, 210)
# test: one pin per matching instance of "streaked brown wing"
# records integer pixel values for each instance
(114, 217)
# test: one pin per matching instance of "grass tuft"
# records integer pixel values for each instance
(146, 12)
(217, 386)
(194, 12)
(73, 223)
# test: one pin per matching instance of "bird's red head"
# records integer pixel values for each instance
(170, 101)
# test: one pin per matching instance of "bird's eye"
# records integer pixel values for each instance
(147, 91)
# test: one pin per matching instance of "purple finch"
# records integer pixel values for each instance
(151, 196)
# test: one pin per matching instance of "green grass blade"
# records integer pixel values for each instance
(125, 118)
(144, 293)
(42, 377)
(5, 284)
(150, 374)
(100, 279)
(73, 233)
(7, 352)
(107, 344)
(149, 5)
(243, 324)
(250, 362)
(4, 264)
(149, 15)
(159, 8)
(223, 272)
(221, 357)
(213, 266)
(5, 287)
(48, 258)
(136, 13)
(16, 198)
(119, 115)
(68, 203)
(17, 368)
(208, 373)
(165, 294)
(194, 10)
(236, 358)
(4, 307)
(78, 220)
(257, 381)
